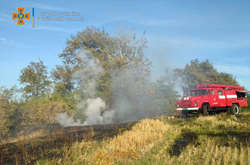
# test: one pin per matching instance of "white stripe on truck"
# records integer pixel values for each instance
(222, 97)
(194, 108)
(231, 96)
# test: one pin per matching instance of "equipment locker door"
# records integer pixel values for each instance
(221, 98)
(214, 101)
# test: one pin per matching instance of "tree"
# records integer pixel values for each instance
(62, 77)
(202, 72)
(9, 119)
(112, 52)
(97, 42)
(9, 93)
(166, 91)
(35, 79)
(39, 111)
(5, 112)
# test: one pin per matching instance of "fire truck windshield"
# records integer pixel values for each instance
(199, 92)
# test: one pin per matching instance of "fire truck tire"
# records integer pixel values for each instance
(235, 109)
(205, 109)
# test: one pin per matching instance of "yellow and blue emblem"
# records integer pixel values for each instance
(21, 16)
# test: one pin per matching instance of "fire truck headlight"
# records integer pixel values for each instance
(178, 105)
(195, 104)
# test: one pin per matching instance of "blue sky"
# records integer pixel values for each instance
(177, 31)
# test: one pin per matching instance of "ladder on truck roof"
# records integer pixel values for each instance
(220, 86)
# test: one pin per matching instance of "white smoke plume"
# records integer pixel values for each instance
(133, 94)
(66, 121)
(95, 112)
(91, 105)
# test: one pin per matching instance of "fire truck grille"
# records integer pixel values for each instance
(186, 104)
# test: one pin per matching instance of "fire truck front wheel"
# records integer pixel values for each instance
(235, 109)
(205, 109)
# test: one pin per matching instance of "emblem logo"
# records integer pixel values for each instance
(21, 16)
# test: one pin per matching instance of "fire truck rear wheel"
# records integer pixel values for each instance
(235, 109)
(205, 109)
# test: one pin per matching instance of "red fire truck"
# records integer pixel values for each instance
(206, 98)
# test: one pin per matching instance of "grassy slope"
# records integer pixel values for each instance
(218, 139)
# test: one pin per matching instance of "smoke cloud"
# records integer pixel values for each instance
(66, 120)
(133, 94)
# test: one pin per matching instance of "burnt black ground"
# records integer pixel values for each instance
(27, 152)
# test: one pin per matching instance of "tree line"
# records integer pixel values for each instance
(42, 95)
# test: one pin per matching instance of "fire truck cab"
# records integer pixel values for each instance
(208, 98)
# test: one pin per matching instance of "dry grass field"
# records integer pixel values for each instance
(216, 139)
